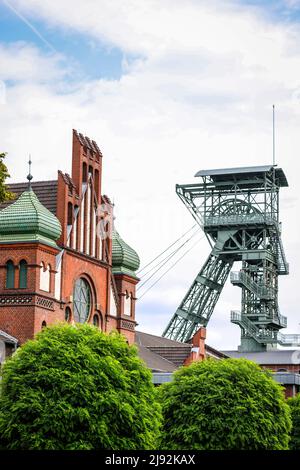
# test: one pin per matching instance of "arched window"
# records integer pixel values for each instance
(91, 171)
(44, 324)
(10, 275)
(96, 320)
(127, 304)
(113, 305)
(23, 275)
(82, 299)
(45, 277)
(49, 277)
(68, 314)
(282, 370)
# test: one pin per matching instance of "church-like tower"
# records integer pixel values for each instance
(125, 263)
(28, 251)
(59, 258)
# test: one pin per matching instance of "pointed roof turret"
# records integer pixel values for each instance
(125, 259)
(27, 220)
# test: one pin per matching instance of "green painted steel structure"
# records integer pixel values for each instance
(238, 210)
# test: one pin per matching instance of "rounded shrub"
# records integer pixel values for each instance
(294, 404)
(77, 388)
(224, 404)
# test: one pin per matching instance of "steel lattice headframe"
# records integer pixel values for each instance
(238, 209)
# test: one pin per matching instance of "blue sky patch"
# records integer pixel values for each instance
(92, 59)
(276, 10)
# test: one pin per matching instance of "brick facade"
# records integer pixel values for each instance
(83, 252)
(126, 290)
(198, 352)
(290, 390)
(294, 368)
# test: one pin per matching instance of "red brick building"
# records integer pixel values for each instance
(60, 259)
(284, 363)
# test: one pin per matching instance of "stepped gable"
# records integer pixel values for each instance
(87, 142)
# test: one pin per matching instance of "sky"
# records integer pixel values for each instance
(166, 88)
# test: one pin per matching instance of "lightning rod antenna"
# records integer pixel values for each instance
(273, 134)
(29, 176)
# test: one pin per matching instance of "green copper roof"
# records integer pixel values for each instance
(125, 259)
(28, 220)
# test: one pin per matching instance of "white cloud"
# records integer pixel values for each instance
(292, 3)
(200, 95)
(22, 62)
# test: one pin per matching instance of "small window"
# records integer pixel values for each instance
(10, 275)
(96, 321)
(49, 276)
(70, 213)
(23, 275)
(84, 173)
(44, 324)
(97, 183)
(68, 314)
(127, 304)
(45, 277)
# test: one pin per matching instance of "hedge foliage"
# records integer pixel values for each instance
(225, 404)
(77, 388)
(294, 404)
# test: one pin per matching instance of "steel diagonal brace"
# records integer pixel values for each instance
(198, 305)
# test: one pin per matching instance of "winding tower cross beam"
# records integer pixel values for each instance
(238, 210)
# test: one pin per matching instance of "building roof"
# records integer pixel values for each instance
(287, 378)
(125, 259)
(46, 192)
(173, 352)
(166, 355)
(215, 353)
(7, 338)
(26, 219)
(149, 340)
(276, 357)
(224, 174)
(154, 361)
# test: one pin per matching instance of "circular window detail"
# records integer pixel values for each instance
(96, 321)
(68, 314)
(81, 300)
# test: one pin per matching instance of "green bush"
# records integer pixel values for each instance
(294, 404)
(77, 388)
(226, 404)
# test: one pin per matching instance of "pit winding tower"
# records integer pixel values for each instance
(238, 210)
